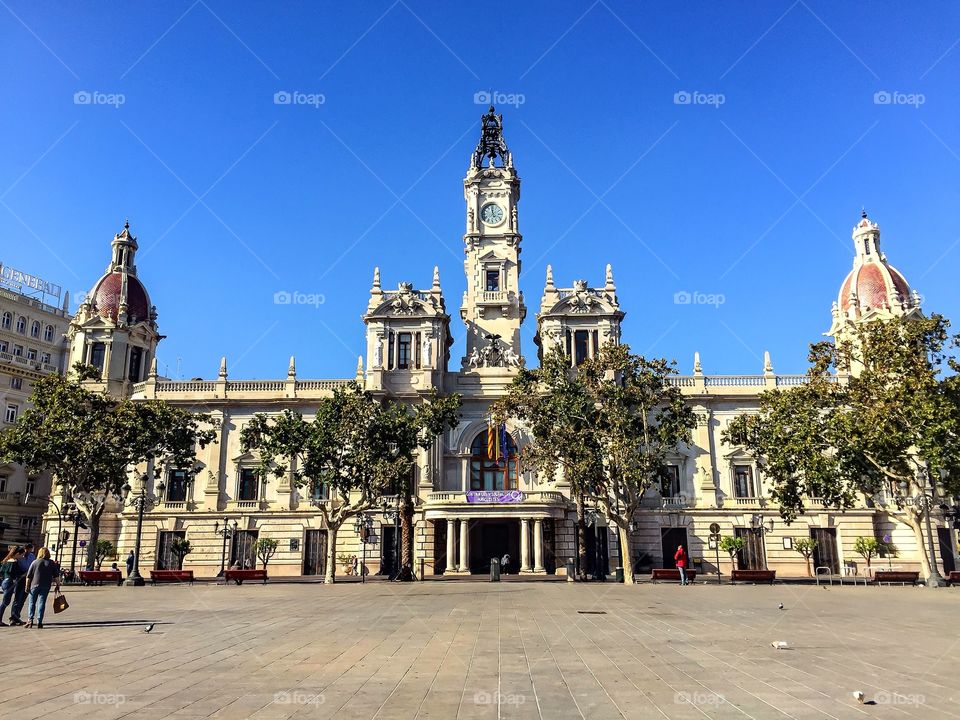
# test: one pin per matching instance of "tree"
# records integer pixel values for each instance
(90, 441)
(888, 424)
(868, 548)
(266, 549)
(731, 545)
(617, 417)
(180, 548)
(104, 549)
(805, 546)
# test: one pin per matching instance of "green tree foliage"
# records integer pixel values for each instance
(608, 426)
(805, 546)
(731, 545)
(868, 548)
(266, 549)
(181, 548)
(891, 421)
(90, 441)
(104, 549)
(355, 449)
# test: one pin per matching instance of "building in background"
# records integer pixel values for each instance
(471, 507)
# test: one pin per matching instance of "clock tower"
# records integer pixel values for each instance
(492, 306)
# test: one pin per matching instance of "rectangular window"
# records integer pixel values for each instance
(581, 345)
(670, 486)
(3, 346)
(45, 358)
(417, 343)
(11, 415)
(248, 485)
(166, 558)
(97, 353)
(32, 354)
(48, 333)
(18, 350)
(31, 487)
(403, 351)
(320, 491)
(177, 486)
(596, 343)
(569, 344)
(16, 383)
(28, 523)
(493, 280)
(136, 358)
(390, 345)
(3, 483)
(743, 481)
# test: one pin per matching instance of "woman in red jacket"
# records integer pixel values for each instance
(681, 559)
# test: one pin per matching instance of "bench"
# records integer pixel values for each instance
(177, 576)
(895, 576)
(953, 578)
(671, 574)
(754, 576)
(98, 577)
(238, 576)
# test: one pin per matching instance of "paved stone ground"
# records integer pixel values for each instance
(480, 650)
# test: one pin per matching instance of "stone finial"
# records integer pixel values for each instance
(66, 301)
(436, 278)
(549, 276)
(360, 368)
(697, 368)
(767, 364)
(376, 280)
(292, 368)
(153, 368)
(609, 278)
(223, 367)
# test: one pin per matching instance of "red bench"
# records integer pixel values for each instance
(238, 576)
(177, 576)
(98, 577)
(753, 576)
(953, 578)
(671, 574)
(903, 577)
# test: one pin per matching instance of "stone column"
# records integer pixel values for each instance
(538, 546)
(451, 548)
(464, 564)
(524, 545)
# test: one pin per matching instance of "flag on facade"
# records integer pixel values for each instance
(491, 439)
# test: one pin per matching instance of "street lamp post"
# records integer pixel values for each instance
(228, 532)
(56, 507)
(593, 516)
(362, 525)
(761, 527)
(392, 515)
(139, 501)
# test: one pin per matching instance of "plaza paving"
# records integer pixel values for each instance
(480, 650)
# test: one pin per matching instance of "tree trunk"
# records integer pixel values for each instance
(625, 554)
(331, 574)
(917, 526)
(581, 540)
(406, 537)
(94, 522)
(809, 573)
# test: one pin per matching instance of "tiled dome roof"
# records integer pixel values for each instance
(876, 284)
(107, 293)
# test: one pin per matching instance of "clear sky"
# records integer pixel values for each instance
(799, 114)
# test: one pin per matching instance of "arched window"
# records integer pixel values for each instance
(7, 321)
(21, 324)
(35, 329)
(492, 473)
(48, 333)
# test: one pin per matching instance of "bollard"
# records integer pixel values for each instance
(571, 572)
(495, 570)
(619, 572)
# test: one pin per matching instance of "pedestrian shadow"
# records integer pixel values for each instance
(104, 623)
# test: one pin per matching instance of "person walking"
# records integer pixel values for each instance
(43, 574)
(130, 562)
(504, 563)
(680, 557)
(20, 597)
(10, 572)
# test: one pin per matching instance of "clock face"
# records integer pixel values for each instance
(491, 214)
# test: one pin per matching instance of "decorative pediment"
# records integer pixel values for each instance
(406, 301)
(582, 300)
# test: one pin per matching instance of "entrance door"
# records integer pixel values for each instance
(670, 539)
(315, 552)
(947, 548)
(752, 557)
(388, 554)
(440, 559)
(494, 543)
(825, 552)
(591, 542)
(243, 551)
(166, 560)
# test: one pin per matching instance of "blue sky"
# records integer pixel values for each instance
(748, 192)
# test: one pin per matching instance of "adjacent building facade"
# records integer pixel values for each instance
(471, 507)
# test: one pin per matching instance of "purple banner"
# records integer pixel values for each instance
(494, 496)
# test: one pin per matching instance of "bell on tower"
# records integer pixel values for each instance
(491, 145)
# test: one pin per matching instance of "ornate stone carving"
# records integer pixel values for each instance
(491, 145)
(405, 302)
(582, 300)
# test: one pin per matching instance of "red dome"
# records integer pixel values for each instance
(873, 279)
(106, 297)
